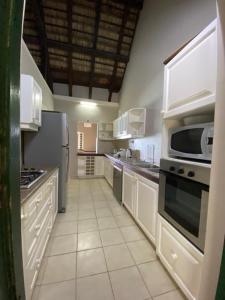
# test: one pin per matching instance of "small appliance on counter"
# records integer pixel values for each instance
(192, 142)
(28, 177)
(183, 198)
(120, 154)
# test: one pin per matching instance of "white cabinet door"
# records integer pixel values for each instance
(99, 166)
(129, 191)
(30, 104)
(180, 257)
(191, 75)
(147, 205)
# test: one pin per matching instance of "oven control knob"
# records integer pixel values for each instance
(172, 169)
(191, 174)
(180, 171)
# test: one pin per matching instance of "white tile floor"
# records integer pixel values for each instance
(97, 252)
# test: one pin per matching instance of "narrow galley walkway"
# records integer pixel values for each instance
(97, 252)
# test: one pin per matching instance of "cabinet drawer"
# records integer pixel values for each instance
(181, 258)
(33, 266)
(32, 232)
(29, 209)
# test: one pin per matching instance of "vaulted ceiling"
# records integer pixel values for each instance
(81, 42)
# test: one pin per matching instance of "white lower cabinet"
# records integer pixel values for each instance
(108, 170)
(180, 257)
(37, 218)
(140, 197)
(90, 166)
(99, 166)
(147, 206)
(129, 197)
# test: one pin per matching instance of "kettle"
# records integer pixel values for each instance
(128, 153)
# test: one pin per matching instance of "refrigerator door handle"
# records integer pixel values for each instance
(68, 162)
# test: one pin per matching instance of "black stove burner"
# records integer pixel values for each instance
(29, 176)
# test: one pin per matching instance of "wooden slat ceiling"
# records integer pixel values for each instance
(81, 42)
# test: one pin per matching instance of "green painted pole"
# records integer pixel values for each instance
(11, 266)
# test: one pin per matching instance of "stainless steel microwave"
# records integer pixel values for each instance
(193, 142)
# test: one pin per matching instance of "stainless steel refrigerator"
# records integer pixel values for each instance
(50, 147)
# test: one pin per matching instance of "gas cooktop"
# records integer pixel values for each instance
(29, 177)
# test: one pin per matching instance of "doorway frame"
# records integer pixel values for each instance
(11, 263)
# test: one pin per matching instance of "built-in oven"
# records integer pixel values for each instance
(183, 198)
(117, 181)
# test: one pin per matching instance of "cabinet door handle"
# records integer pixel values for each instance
(37, 227)
(38, 201)
(38, 263)
(23, 216)
(174, 256)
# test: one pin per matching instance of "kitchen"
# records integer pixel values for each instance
(141, 215)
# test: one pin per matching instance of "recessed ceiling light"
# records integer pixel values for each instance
(88, 104)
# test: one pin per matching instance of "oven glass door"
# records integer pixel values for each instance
(184, 203)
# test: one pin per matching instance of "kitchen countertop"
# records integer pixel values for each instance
(146, 173)
(27, 193)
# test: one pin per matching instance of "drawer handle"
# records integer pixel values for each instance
(23, 216)
(37, 227)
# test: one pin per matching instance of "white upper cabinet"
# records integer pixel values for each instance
(190, 77)
(105, 131)
(30, 103)
(131, 124)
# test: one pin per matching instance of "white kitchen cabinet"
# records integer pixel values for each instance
(129, 196)
(37, 218)
(180, 257)
(147, 206)
(108, 171)
(99, 165)
(30, 103)
(131, 124)
(90, 165)
(105, 131)
(190, 77)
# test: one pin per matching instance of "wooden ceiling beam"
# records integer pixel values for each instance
(70, 36)
(124, 21)
(97, 22)
(38, 12)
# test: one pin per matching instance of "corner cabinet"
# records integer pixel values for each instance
(180, 257)
(131, 124)
(140, 197)
(38, 214)
(30, 103)
(190, 77)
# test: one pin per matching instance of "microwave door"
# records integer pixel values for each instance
(187, 143)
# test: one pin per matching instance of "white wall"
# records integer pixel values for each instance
(29, 67)
(83, 92)
(76, 113)
(164, 26)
